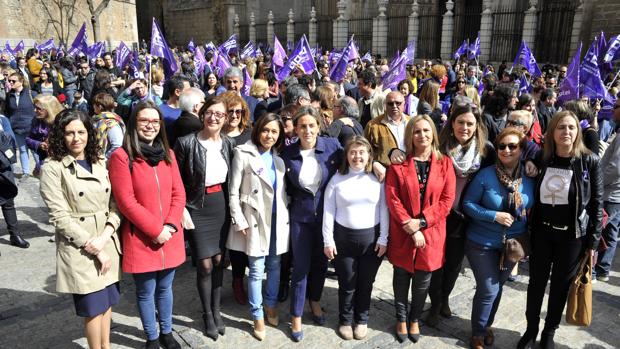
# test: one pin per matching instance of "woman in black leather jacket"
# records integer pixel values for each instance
(565, 222)
(204, 160)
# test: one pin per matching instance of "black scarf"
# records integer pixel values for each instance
(153, 154)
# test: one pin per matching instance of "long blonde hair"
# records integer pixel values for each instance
(50, 104)
(409, 136)
(578, 150)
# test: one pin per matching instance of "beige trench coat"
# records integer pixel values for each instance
(251, 198)
(80, 204)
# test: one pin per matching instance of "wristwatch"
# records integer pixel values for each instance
(423, 222)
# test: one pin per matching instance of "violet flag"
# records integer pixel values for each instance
(569, 87)
(79, 43)
(159, 48)
(248, 51)
(395, 75)
(613, 50)
(367, 57)
(247, 83)
(481, 84)
(278, 52)
(605, 68)
(474, 49)
(19, 47)
(524, 85)
(135, 66)
(230, 45)
(590, 83)
(191, 46)
(301, 57)
(123, 55)
(462, 50)
(526, 58)
(221, 63)
(9, 51)
(210, 46)
(339, 70)
(199, 61)
(46, 46)
(96, 50)
(409, 54)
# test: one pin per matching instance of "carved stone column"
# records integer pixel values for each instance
(447, 29)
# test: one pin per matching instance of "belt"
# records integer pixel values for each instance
(556, 227)
(216, 188)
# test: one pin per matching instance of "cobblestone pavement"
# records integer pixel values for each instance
(33, 315)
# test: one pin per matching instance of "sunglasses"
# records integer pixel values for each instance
(12, 81)
(511, 146)
(235, 111)
(460, 82)
(394, 104)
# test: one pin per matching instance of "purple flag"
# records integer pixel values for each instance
(79, 43)
(259, 53)
(355, 52)
(278, 52)
(230, 45)
(46, 46)
(191, 46)
(409, 53)
(339, 70)
(607, 108)
(9, 52)
(221, 63)
(605, 68)
(123, 54)
(367, 57)
(569, 87)
(395, 75)
(96, 50)
(247, 83)
(524, 85)
(474, 49)
(462, 50)
(199, 61)
(210, 46)
(613, 50)
(590, 83)
(301, 57)
(135, 66)
(159, 48)
(19, 47)
(526, 58)
(248, 51)
(481, 83)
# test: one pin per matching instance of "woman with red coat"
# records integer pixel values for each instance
(419, 195)
(149, 193)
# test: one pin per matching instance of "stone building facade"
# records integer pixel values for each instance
(30, 21)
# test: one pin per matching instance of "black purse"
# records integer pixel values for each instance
(456, 224)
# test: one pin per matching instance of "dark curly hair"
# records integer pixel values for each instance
(57, 147)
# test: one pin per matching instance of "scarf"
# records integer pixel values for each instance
(153, 154)
(103, 122)
(466, 160)
(512, 184)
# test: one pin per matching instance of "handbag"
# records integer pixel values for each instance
(579, 306)
(456, 224)
(514, 249)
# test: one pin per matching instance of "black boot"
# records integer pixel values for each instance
(18, 241)
(546, 339)
(445, 310)
(210, 328)
(167, 341)
(152, 344)
(432, 319)
(528, 340)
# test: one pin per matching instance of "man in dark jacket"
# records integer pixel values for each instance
(190, 102)
(346, 120)
(546, 107)
(86, 80)
(20, 111)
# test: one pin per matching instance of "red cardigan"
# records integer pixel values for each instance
(148, 197)
(402, 192)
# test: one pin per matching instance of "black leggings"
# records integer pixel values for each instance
(419, 289)
(444, 279)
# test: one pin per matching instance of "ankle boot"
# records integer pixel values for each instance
(432, 319)
(210, 328)
(240, 296)
(528, 340)
(546, 339)
(476, 342)
(445, 310)
(18, 241)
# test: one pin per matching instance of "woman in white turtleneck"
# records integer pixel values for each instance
(355, 232)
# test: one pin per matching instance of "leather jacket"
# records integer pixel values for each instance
(191, 157)
(588, 181)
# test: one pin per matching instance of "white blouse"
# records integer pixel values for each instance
(310, 173)
(216, 168)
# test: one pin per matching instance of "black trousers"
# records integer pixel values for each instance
(238, 262)
(558, 252)
(356, 266)
(10, 216)
(419, 281)
(444, 279)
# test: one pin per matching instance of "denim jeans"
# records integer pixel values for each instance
(258, 266)
(484, 262)
(154, 291)
(610, 235)
(24, 160)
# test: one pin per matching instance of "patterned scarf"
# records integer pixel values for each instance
(466, 160)
(512, 183)
(103, 122)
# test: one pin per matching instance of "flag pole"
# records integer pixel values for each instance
(614, 80)
(148, 61)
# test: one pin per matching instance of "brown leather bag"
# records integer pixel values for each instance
(579, 306)
(514, 249)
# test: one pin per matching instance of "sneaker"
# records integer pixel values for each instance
(603, 278)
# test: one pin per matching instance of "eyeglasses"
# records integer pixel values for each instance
(216, 114)
(145, 122)
(460, 82)
(394, 104)
(511, 146)
(515, 122)
(235, 111)
(286, 117)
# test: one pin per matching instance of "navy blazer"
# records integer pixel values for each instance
(304, 206)
(251, 102)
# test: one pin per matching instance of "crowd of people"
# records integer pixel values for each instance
(452, 164)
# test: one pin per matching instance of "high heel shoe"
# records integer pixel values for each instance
(400, 337)
(413, 336)
(210, 328)
(528, 340)
(271, 314)
(259, 334)
(219, 322)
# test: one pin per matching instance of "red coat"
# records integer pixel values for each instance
(148, 197)
(402, 192)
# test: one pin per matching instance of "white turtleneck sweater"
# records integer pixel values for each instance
(356, 201)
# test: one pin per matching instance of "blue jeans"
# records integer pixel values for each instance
(24, 160)
(610, 234)
(151, 288)
(484, 262)
(258, 266)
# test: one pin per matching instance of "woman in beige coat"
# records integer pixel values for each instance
(258, 207)
(76, 189)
